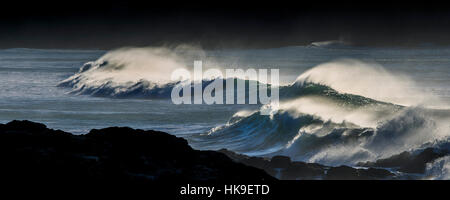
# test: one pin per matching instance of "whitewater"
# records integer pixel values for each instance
(339, 105)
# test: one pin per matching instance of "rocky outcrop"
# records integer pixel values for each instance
(408, 162)
(283, 168)
(30, 152)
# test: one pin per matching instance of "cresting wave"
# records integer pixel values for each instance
(137, 73)
(317, 132)
(128, 72)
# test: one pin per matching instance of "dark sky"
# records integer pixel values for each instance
(112, 24)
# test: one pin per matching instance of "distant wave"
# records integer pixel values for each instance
(127, 73)
(97, 79)
(332, 44)
(134, 73)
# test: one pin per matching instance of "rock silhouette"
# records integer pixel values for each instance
(283, 168)
(31, 152)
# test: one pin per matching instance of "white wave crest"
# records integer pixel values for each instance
(130, 65)
(369, 80)
(439, 169)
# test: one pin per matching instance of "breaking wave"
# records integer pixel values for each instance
(338, 116)
(137, 73)
(331, 136)
(127, 72)
(438, 169)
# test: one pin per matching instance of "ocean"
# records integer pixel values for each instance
(338, 104)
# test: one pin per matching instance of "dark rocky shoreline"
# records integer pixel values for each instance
(31, 152)
(283, 168)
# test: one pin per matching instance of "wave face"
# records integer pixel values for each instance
(334, 115)
(312, 131)
(366, 79)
